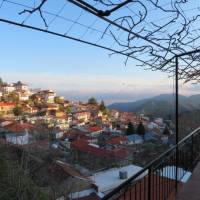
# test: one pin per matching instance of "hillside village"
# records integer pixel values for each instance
(81, 143)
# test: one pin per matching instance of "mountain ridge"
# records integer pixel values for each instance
(161, 105)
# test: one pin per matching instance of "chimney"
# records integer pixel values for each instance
(123, 174)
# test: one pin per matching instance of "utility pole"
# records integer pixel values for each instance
(177, 119)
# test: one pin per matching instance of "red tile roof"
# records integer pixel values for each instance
(117, 140)
(69, 169)
(6, 119)
(94, 128)
(18, 128)
(7, 104)
(83, 146)
(52, 106)
(120, 152)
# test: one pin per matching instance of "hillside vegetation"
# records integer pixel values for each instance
(14, 182)
(160, 106)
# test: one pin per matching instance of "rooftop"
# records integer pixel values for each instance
(18, 128)
(109, 179)
(7, 104)
(83, 146)
(117, 140)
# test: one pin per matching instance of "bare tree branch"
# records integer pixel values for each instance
(38, 8)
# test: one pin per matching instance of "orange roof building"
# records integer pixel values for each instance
(6, 108)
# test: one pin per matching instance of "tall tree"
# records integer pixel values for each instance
(102, 106)
(141, 129)
(17, 110)
(92, 101)
(1, 82)
(166, 131)
(61, 107)
(130, 129)
(13, 97)
(69, 109)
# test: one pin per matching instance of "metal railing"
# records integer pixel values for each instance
(162, 178)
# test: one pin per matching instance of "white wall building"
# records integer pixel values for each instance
(21, 86)
(48, 95)
(152, 125)
(8, 88)
(85, 116)
(19, 139)
(159, 121)
(23, 97)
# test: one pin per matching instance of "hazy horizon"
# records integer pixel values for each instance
(82, 87)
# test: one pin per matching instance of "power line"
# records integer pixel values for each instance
(61, 9)
(82, 5)
(91, 9)
(62, 18)
(71, 38)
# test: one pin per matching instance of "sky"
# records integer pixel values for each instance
(75, 70)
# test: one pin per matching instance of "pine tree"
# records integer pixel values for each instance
(17, 110)
(141, 129)
(1, 82)
(102, 106)
(130, 129)
(166, 131)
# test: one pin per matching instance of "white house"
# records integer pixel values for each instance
(23, 96)
(152, 125)
(57, 134)
(82, 115)
(49, 96)
(8, 88)
(115, 114)
(134, 139)
(158, 121)
(19, 86)
(19, 138)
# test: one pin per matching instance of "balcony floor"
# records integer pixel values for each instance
(191, 190)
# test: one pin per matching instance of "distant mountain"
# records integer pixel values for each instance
(195, 99)
(160, 106)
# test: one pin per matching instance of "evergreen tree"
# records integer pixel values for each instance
(1, 82)
(102, 106)
(169, 117)
(92, 101)
(166, 131)
(17, 110)
(12, 97)
(141, 129)
(61, 107)
(69, 109)
(130, 129)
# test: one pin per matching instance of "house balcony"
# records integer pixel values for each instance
(174, 175)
